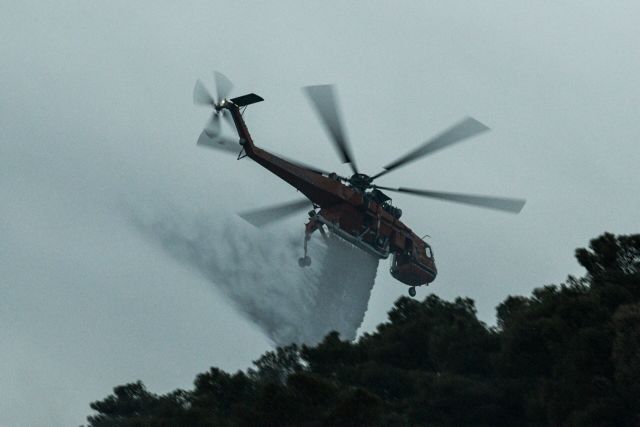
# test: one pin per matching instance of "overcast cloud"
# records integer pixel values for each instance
(96, 120)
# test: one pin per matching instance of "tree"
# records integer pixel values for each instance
(567, 355)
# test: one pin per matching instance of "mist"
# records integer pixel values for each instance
(258, 272)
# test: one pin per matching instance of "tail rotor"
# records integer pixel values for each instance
(202, 96)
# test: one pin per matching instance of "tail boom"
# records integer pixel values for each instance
(321, 190)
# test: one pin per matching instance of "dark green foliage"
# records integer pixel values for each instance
(132, 405)
(609, 253)
(275, 366)
(568, 355)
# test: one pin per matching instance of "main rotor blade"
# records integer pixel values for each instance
(498, 203)
(323, 98)
(263, 216)
(303, 165)
(201, 95)
(458, 132)
(223, 85)
(222, 143)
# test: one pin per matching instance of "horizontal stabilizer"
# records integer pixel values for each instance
(248, 99)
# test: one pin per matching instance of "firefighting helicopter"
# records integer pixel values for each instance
(352, 208)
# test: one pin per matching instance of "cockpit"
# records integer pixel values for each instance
(415, 267)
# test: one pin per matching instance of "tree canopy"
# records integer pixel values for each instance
(568, 355)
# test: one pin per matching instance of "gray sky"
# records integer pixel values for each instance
(96, 118)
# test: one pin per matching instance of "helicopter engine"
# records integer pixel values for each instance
(396, 212)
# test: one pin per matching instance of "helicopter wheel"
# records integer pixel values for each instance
(304, 262)
(412, 291)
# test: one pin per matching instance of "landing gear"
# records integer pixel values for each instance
(304, 261)
(311, 226)
(412, 291)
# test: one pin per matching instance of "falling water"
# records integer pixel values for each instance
(258, 272)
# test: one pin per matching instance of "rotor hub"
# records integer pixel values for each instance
(360, 181)
(220, 105)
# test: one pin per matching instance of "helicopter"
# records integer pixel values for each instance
(353, 208)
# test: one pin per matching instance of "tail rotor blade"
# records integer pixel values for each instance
(213, 126)
(323, 99)
(222, 143)
(264, 216)
(228, 118)
(201, 95)
(497, 203)
(223, 85)
(458, 132)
